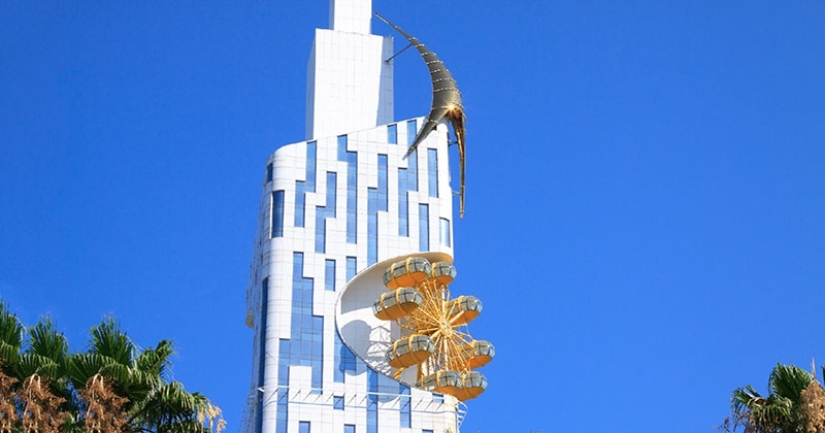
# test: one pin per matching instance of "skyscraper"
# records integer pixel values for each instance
(336, 209)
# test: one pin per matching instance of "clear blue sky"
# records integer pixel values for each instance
(645, 188)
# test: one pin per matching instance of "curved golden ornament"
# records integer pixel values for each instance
(446, 104)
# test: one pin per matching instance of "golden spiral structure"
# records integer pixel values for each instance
(434, 335)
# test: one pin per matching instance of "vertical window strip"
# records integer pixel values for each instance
(300, 203)
(432, 172)
(376, 201)
(444, 235)
(423, 227)
(352, 197)
(352, 268)
(412, 160)
(392, 134)
(303, 427)
(403, 204)
(311, 163)
(329, 275)
(324, 212)
(372, 401)
(262, 350)
(277, 227)
(406, 411)
(269, 172)
(320, 230)
(281, 421)
(372, 226)
(342, 148)
(349, 428)
(412, 128)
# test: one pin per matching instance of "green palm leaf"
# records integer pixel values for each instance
(108, 340)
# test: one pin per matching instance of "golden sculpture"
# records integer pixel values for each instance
(434, 328)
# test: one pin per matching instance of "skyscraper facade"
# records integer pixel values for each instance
(334, 207)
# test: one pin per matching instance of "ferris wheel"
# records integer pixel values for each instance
(434, 335)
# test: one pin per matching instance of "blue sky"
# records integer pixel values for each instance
(645, 189)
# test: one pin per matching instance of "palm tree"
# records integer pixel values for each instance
(795, 404)
(151, 402)
(112, 387)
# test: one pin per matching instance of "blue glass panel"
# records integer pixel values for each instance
(262, 353)
(432, 172)
(282, 417)
(406, 411)
(332, 189)
(352, 197)
(300, 203)
(372, 401)
(412, 164)
(303, 427)
(423, 227)
(342, 147)
(349, 428)
(392, 134)
(329, 275)
(403, 204)
(277, 230)
(310, 176)
(444, 235)
(412, 128)
(372, 226)
(352, 268)
(376, 201)
(269, 172)
(338, 402)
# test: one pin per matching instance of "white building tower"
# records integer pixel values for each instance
(332, 207)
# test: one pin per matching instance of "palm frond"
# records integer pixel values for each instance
(11, 330)
(156, 361)
(110, 341)
(46, 341)
(789, 381)
(30, 364)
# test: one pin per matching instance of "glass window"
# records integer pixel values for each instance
(338, 402)
(349, 428)
(352, 268)
(392, 134)
(303, 427)
(329, 275)
(299, 203)
(432, 172)
(269, 172)
(310, 175)
(403, 204)
(412, 128)
(320, 230)
(352, 197)
(444, 231)
(277, 228)
(406, 412)
(342, 147)
(332, 189)
(423, 227)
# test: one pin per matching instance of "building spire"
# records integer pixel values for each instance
(352, 16)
